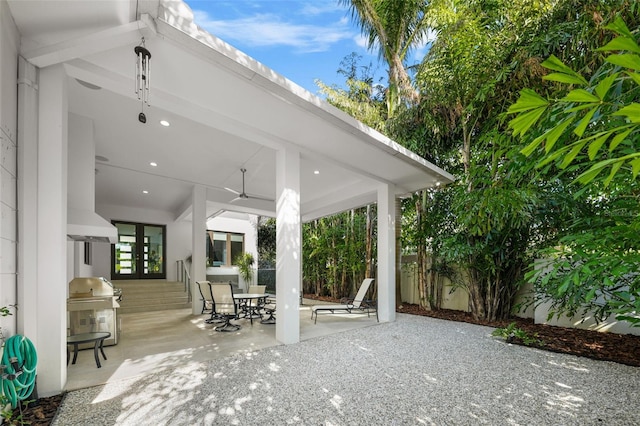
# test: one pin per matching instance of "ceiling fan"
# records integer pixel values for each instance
(243, 195)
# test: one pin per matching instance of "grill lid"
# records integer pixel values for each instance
(83, 287)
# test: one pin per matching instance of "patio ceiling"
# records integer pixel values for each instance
(226, 112)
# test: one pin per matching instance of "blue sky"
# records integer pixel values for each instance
(302, 40)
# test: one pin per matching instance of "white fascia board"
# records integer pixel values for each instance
(91, 44)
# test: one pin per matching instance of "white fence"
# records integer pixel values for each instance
(458, 300)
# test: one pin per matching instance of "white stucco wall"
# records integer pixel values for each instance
(9, 42)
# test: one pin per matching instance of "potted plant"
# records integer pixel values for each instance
(245, 262)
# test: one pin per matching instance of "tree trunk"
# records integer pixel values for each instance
(369, 245)
(421, 253)
(398, 230)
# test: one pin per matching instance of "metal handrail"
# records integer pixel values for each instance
(182, 275)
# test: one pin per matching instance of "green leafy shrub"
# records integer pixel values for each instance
(512, 334)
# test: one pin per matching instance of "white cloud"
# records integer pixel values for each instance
(270, 30)
(422, 49)
(319, 8)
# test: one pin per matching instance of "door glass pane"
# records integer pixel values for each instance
(126, 249)
(219, 249)
(153, 253)
(237, 242)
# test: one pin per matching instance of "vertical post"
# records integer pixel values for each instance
(28, 199)
(52, 227)
(198, 252)
(386, 278)
(288, 246)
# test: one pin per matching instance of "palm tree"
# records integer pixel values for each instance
(394, 27)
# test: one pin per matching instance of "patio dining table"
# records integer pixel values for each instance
(251, 310)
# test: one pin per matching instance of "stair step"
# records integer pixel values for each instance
(151, 295)
(149, 308)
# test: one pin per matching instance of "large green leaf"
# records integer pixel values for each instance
(631, 111)
(555, 64)
(626, 60)
(550, 136)
(582, 125)
(595, 146)
(555, 133)
(634, 76)
(528, 99)
(589, 175)
(580, 95)
(524, 121)
(603, 87)
(575, 150)
(619, 27)
(618, 139)
(614, 170)
(621, 43)
(635, 167)
(564, 78)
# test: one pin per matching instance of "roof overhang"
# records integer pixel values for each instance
(226, 111)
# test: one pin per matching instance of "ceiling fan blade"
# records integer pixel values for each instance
(232, 191)
(257, 197)
(243, 195)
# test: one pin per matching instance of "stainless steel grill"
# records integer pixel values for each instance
(92, 306)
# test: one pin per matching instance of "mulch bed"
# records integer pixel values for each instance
(621, 348)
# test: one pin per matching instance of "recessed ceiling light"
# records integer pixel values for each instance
(145, 191)
(153, 164)
(165, 123)
(316, 172)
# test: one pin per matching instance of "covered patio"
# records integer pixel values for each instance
(85, 149)
(165, 340)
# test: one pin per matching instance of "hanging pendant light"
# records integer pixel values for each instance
(143, 77)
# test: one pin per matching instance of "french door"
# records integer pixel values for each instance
(140, 252)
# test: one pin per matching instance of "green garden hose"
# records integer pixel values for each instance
(19, 369)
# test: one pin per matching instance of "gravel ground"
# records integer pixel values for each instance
(414, 371)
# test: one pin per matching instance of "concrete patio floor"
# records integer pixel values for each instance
(413, 371)
(160, 340)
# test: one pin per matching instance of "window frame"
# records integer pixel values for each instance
(229, 261)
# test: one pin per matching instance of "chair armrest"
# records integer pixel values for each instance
(370, 303)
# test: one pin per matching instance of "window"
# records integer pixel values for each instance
(223, 248)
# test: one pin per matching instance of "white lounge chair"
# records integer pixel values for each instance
(357, 305)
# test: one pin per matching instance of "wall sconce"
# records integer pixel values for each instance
(143, 77)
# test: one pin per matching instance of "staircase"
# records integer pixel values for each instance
(151, 295)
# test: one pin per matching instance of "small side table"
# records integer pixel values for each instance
(77, 339)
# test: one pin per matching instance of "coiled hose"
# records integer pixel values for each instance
(19, 362)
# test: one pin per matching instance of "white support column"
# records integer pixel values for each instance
(198, 250)
(52, 231)
(386, 277)
(27, 200)
(288, 246)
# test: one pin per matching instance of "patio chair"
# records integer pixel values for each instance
(356, 305)
(215, 317)
(252, 307)
(270, 310)
(225, 306)
(205, 296)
